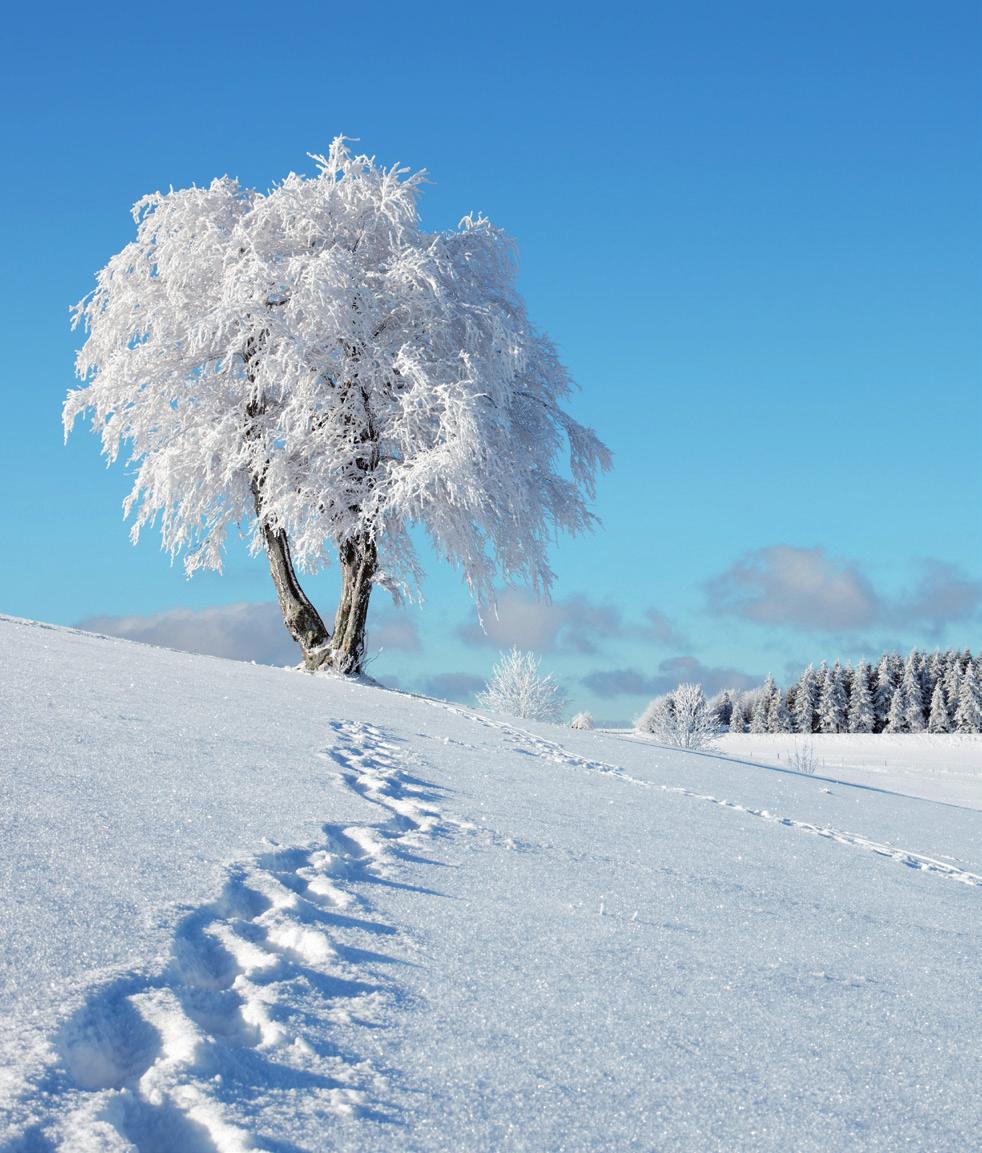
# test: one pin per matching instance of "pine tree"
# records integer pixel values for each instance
(721, 706)
(738, 722)
(938, 720)
(777, 714)
(883, 694)
(912, 691)
(845, 677)
(805, 701)
(832, 702)
(861, 701)
(952, 681)
(935, 671)
(897, 716)
(968, 715)
(761, 706)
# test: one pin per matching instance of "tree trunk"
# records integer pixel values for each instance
(358, 559)
(345, 650)
(300, 617)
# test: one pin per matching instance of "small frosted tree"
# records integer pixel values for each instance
(682, 717)
(518, 688)
(310, 366)
(582, 721)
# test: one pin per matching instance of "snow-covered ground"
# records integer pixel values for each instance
(943, 767)
(245, 908)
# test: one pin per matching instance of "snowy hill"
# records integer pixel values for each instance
(246, 908)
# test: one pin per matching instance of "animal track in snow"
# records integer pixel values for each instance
(552, 751)
(256, 983)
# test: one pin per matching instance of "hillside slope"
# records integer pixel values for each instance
(246, 908)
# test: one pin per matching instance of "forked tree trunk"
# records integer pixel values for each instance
(345, 650)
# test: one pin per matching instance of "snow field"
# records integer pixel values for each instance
(937, 766)
(460, 933)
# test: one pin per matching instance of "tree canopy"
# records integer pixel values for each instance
(310, 362)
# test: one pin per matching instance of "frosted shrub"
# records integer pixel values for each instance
(516, 687)
(581, 721)
(682, 717)
(802, 758)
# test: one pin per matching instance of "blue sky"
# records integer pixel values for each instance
(753, 231)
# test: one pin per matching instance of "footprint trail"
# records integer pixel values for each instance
(259, 985)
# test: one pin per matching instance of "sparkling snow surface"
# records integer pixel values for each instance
(245, 908)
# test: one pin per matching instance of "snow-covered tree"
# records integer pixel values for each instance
(861, 701)
(518, 688)
(913, 694)
(883, 693)
(581, 721)
(968, 715)
(760, 709)
(738, 720)
(310, 365)
(938, 720)
(806, 702)
(722, 706)
(934, 672)
(832, 702)
(777, 713)
(952, 681)
(898, 720)
(657, 716)
(681, 717)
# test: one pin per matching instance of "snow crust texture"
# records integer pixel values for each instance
(250, 909)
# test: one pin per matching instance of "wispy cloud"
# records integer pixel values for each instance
(806, 588)
(941, 596)
(452, 686)
(631, 682)
(661, 629)
(574, 625)
(799, 587)
(242, 632)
